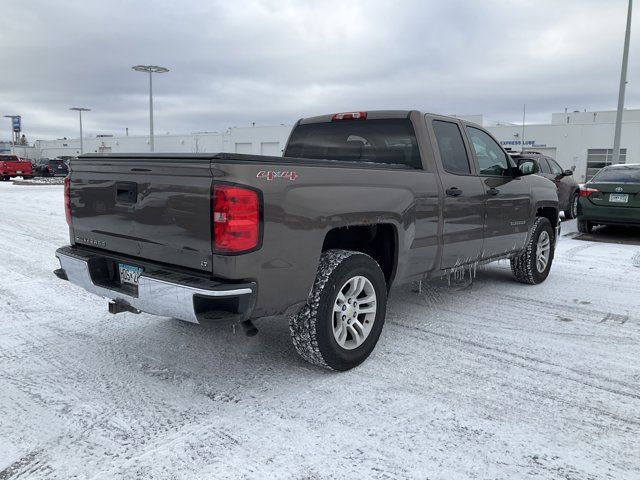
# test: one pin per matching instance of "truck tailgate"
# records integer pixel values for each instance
(155, 208)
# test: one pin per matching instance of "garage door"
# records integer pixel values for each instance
(244, 148)
(270, 148)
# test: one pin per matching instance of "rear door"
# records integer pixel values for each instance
(507, 198)
(463, 204)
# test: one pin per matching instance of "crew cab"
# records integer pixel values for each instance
(360, 202)
(12, 166)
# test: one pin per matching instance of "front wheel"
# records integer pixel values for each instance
(340, 324)
(532, 266)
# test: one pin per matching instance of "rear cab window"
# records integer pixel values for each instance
(384, 141)
(453, 153)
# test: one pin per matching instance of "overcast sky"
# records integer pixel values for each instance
(273, 61)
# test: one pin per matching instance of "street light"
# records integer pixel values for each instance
(150, 69)
(13, 133)
(623, 84)
(80, 110)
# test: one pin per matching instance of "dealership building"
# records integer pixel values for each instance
(583, 140)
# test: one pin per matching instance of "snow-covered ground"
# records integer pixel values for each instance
(493, 380)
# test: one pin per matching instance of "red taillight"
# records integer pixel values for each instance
(586, 191)
(67, 201)
(236, 219)
(349, 116)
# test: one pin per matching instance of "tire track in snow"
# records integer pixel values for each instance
(534, 365)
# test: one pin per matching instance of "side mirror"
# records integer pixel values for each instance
(567, 173)
(516, 172)
(525, 167)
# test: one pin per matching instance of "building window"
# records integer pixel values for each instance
(598, 158)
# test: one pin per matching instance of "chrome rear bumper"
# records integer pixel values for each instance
(160, 292)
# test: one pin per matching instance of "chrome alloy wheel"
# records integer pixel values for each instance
(543, 251)
(354, 312)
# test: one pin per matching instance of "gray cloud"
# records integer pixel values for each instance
(272, 61)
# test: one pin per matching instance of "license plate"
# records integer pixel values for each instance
(129, 274)
(18, 171)
(619, 198)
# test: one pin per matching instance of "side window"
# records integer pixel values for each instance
(491, 158)
(451, 146)
(555, 168)
(544, 166)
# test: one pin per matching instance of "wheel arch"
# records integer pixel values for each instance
(379, 241)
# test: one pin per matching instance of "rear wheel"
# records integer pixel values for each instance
(340, 325)
(572, 211)
(585, 226)
(532, 266)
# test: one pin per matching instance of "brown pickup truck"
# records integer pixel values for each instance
(360, 202)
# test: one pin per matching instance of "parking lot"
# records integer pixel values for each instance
(482, 379)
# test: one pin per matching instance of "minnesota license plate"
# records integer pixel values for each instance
(619, 198)
(129, 274)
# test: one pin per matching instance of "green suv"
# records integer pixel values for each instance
(611, 197)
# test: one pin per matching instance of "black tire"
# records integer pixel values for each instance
(584, 226)
(524, 267)
(572, 210)
(312, 327)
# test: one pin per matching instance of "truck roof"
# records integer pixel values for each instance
(377, 115)
(371, 115)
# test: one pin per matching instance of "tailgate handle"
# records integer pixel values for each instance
(126, 192)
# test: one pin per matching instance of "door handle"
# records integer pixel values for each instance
(493, 191)
(453, 192)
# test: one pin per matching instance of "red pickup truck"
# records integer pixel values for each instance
(13, 166)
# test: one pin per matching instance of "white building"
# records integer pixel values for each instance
(580, 139)
(255, 140)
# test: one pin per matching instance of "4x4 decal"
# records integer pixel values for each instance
(270, 175)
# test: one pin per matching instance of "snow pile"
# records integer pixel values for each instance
(40, 181)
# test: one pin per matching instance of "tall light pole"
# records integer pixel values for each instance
(80, 110)
(150, 69)
(623, 84)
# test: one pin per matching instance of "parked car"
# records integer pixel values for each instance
(12, 166)
(360, 202)
(611, 197)
(46, 167)
(568, 188)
